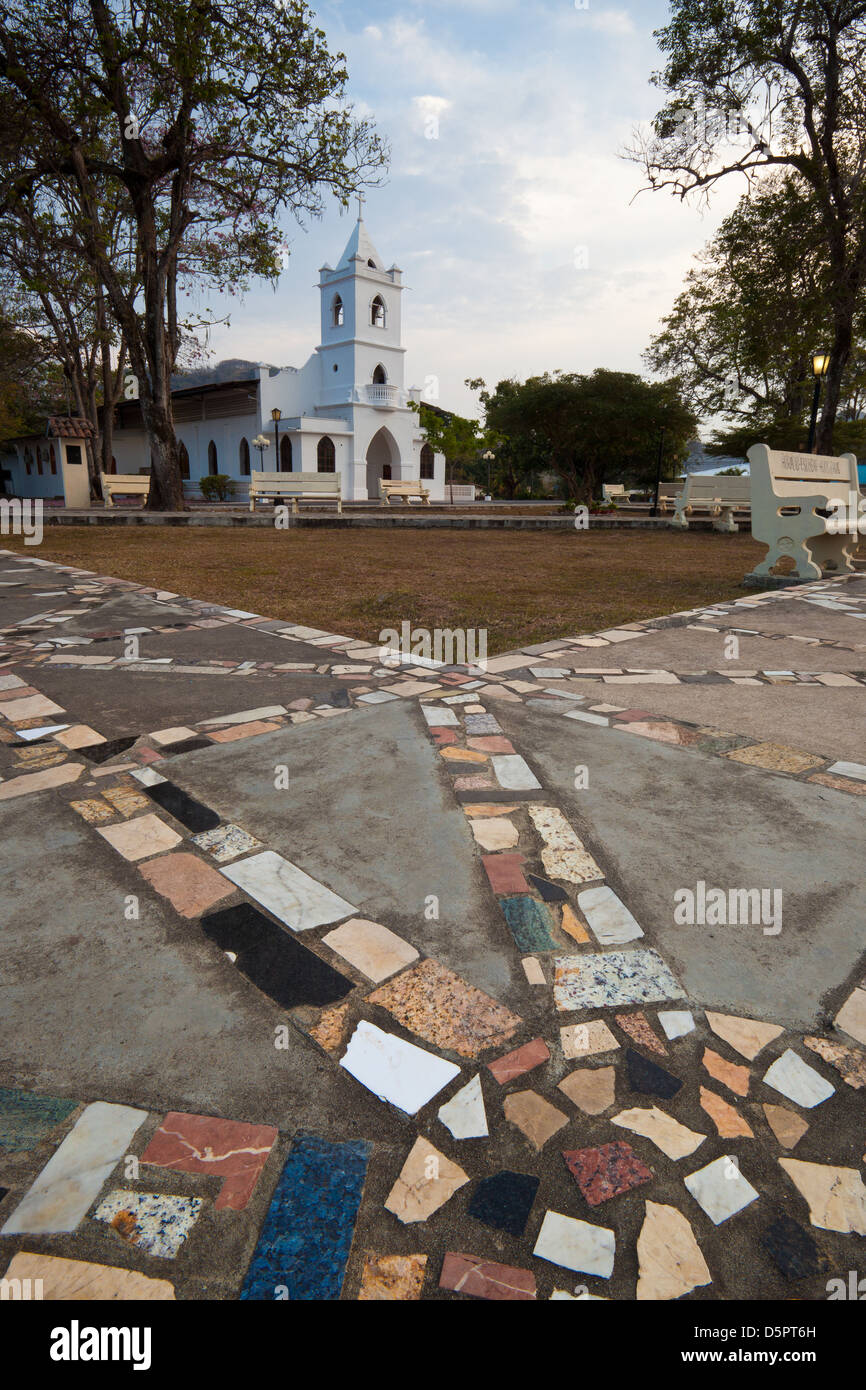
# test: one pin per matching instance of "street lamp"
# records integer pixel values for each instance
(276, 415)
(820, 368)
(261, 442)
(488, 457)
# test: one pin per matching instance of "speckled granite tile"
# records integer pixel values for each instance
(440, 1007)
(392, 1278)
(613, 978)
(607, 1171)
(154, 1222)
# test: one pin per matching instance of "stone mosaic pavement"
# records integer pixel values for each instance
(326, 979)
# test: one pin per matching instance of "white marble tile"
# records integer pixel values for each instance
(609, 919)
(464, 1114)
(513, 772)
(563, 1240)
(245, 716)
(148, 778)
(720, 1189)
(794, 1078)
(377, 697)
(73, 1177)
(42, 732)
(287, 892)
(676, 1023)
(438, 717)
(395, 1070)
(584, 717)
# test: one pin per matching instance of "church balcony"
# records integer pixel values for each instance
(382, 395)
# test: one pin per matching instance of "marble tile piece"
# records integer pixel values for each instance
(850, 1062)
(513, 773)
(482, 1278)
(487, 809)
(245, 716)
(504, 1200)
(126, 800)
(613, 978)
(40, 781)
(463, 755)
(591, 1089)
(392, 1278)
(552, 826)
(26, 1118)
(572, 926)
(799, 1082)
(846, 769)
(154, 1222)
(427, 1180)
(286, 891)
(440, 1007)
(676, 1023)
(720, 1189)
(606, 1171)
(437, 716)
(225, 842)
(836, 1196)
(495, 834)
(163, 737)
(674, 1139)
(520, 1061)
(373, 950)
(787, 1125)
(774, 757)
(78, 736)
(727, 1119)
(304, 1244)
(31, 707)
(240, 731)
(530, 923)
(81, 1281)
(735, 1077)
(229, 1149)
(464, 1114)
(639, 1029)
(532, 969)
(534, 1116)
(394, 1070)
(745, 1035)
(73, 1177)
(138, 839)
(573, 1244)
(276, 961)
(647, 1078)
(852, 1016)
(575, 866)
(670, 1262)
(191, 886)
(793, 1250)
(587, 1039)
(94, 810)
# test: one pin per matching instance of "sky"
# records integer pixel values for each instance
(517, 227)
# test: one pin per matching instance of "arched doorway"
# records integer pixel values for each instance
(383, 461)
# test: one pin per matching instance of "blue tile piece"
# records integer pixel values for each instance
(530, 923)
(26, 1119)
(304, 1243)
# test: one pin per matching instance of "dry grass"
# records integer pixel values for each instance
(521, 587)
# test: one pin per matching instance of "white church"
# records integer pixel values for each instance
(347, 410)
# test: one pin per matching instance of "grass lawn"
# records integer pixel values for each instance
(522, 587)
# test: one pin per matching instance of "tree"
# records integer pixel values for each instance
(31, 381)
(758, 85)
(455, 436)
(210, 118)
(517, 456)
(593, 429)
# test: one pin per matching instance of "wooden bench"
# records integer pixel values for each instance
(721, 496)
(132, 484)
(407, 489)
(305, 487)
(789, 493)
(614, 492)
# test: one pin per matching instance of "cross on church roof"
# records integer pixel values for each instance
(361, 201)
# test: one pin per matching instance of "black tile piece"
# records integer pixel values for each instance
(340, 699)
(3, 1191)
(189, 745)
(101, 752)
(191, 813)
(504, 1201)
(793, 1249)
(550, 892)
(649, 1079)
(273, 960)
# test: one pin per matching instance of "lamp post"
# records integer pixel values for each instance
(655, 506)
(820, 368)
(276, 415)
(261, 442)
(488, 458)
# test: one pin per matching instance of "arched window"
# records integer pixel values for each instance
(212, 464)
(337, 312)
(53, 457)
(28, 460)
(285, 454)
(372, 264)
(326, 455)
(245, 458)
(386, 472)
(380, 375)
(112, 467)
(183, 456)
(39, 459)
(377, 312)
(426, 461)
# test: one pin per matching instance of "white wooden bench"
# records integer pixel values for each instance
(789, 491)
(614, 492)
(719, 495)
(131, 484)
(305, 487)
(407, 489)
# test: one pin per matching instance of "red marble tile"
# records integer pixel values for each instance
(480, 1278)
(491, 743)
(505, 872)
(228, 1149)
(521, 1060)
(473, 783)
(607, 1171)
(638, 1027)
(442, 735)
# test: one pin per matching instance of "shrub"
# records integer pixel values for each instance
(216, 487)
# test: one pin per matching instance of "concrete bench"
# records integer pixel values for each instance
(668, 493)
(614, 492)
(720, 496)
(789, 493)
(406, 489)
(131, 484)
(305, 487)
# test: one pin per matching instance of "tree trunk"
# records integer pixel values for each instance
(166, 484)
(843, 337)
